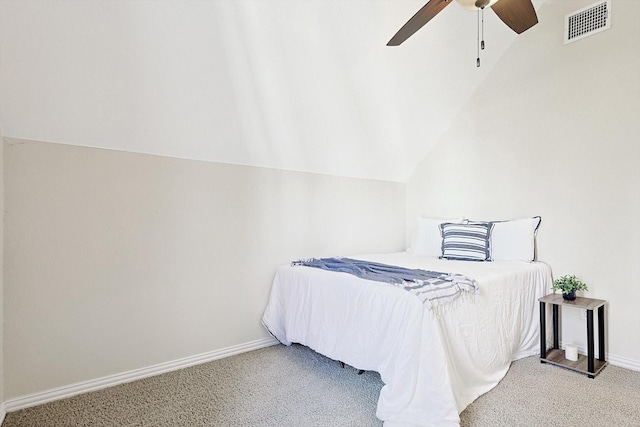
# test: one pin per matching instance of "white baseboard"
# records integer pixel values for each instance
(620, 361)
(624, 362)
(124, 377)
(3, 412)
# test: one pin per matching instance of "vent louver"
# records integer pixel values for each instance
(587, 21)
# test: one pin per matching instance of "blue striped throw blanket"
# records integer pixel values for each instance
(432, 287)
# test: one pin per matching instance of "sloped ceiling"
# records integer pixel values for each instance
(299, 85)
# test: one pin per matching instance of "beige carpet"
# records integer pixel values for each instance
(293, 386)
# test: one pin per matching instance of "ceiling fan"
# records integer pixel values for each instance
(519, 15)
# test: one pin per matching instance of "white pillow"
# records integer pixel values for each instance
(514, 240)
(427, 240)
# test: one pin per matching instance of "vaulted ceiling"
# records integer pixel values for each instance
(299, 85)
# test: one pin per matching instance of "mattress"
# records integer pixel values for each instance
(433, 363)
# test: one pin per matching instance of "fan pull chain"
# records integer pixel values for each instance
(478, 38)
(482, 42)
(480, 31)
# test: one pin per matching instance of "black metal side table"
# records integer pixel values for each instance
(588, 365)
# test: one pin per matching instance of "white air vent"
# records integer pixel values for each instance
(587, 21)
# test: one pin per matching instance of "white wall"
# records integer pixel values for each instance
(116, 261)
(554, 132)
(2, 408)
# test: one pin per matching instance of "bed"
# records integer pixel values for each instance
(433, 362)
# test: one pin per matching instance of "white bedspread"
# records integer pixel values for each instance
(432, 366)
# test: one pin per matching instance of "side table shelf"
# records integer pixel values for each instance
(588, 364)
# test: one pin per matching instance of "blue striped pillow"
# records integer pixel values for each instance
(468, 242)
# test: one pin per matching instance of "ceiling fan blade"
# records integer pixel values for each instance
(519, 15)
(424, 15)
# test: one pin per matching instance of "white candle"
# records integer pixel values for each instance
(571, 352)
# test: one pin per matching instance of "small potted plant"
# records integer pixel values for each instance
(568, 285)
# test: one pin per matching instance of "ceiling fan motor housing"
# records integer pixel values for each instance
(476, 4)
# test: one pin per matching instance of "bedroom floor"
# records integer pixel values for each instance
(294, 386)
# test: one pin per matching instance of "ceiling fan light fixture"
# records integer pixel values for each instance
(474, 4)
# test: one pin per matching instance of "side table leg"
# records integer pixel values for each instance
(543, 331)
(556, 335)
(590, 349)
(601, 339)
